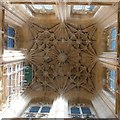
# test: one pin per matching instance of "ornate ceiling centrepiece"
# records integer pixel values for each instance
(64, 57)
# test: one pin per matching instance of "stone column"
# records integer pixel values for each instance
(59, 108)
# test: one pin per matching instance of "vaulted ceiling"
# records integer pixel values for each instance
(64, 58)
(63, 54)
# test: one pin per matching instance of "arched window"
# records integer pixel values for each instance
(75, 110)
(86, 10)
(11, 37)
(110, 36)
(37, 111)
(42, 7)
(83, 7)
(34, 109)
(112, 40)
(111, 79)
(81, 112)
(86, 111)
(45, 109)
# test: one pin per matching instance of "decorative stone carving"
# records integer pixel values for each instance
(64, 56)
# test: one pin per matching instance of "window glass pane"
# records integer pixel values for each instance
(45, 109)
(86, 110)
(112, 84)
(113, 45)
(75, 110)
(10, 43)
(28, 74)
(34, 109)
(112, 74)
(39, 7)
(77, 7)
(49, 7)
(89, 7)
(11, 32)
(83, 7)
(113, 33)
(113, 39)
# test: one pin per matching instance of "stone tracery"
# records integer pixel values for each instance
(64, 56)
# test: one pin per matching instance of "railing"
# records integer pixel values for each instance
(82, 116)
(35, 115)
(45, 115)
